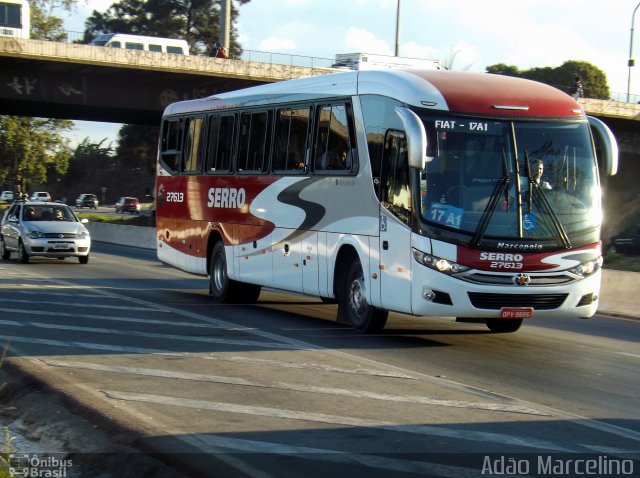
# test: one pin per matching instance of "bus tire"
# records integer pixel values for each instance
(220, 286)
(503, 326)
(353, 307)
(224, 290)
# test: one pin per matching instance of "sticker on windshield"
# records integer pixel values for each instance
(446, 214)
(529, 222)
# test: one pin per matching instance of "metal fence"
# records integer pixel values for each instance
(317, 62)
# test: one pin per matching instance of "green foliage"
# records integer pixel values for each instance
(46, 26)
(138, 146)
(562, 77)
(197, 21)
(32, 148)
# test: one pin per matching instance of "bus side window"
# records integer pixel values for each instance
(134, 46)
(175, 49)
(192, 151)
(292, 131)
(171, 144)
(395, 177)
(115, 44)
(335, 146)
(221, 136)
(253, 152)
(157, 48)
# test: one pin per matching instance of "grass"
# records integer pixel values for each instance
(621, 262)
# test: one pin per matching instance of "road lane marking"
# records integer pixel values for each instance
(133, 320)
(84, 305)
(442, 382)
(280, 413)
(423, 468)
(301, 365)
(151, 335)
(359, 394)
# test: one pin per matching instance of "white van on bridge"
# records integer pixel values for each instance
(140, 42)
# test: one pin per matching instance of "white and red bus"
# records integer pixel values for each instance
(413, 191)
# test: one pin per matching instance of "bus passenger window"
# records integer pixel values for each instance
(115, 44)
(134, 46)
(193, 145)
(171, 144)
(292, 128)
(335, 148)
(253, 148)
(220, 144)
(157, 48)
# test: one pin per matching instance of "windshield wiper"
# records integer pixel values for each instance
(502, 185)
(544, 205)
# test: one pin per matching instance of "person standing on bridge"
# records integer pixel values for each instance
(218, 51)
(578, 88)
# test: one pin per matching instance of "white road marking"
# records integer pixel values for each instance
(426, 430)
(135, 333)
(303, 365)
(226, 444)
(360, 394)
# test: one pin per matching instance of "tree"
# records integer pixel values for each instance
(197, 21)
(562, 77)
(46, 26)
(138, 147)
(32, 148)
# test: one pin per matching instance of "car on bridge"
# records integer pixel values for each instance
(43, 229)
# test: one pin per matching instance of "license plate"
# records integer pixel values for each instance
(61, 246)
(516, 312)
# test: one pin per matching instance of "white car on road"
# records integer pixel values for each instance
(43, 229)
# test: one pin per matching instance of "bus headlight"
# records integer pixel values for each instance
(437, 263)
(587, 268)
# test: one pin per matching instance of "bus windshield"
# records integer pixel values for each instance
(509, 179)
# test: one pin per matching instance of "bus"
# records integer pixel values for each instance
(411, 191)
(140, 42)
(15, 18)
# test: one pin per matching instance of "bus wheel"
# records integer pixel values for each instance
(503, 326)
(219, 286)
(353, 306)
(225, 290)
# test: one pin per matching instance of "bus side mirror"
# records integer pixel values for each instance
(416, 137)
(608, 144)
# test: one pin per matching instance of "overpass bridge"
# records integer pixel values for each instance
(83, 82)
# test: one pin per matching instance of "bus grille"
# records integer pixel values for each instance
(497, 301)
(507, 279)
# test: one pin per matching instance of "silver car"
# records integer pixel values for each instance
(43, 229)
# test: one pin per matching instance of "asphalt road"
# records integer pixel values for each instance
(279, 389)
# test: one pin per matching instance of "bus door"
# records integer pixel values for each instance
(395, 233)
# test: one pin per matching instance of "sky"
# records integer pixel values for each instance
(475, 33)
